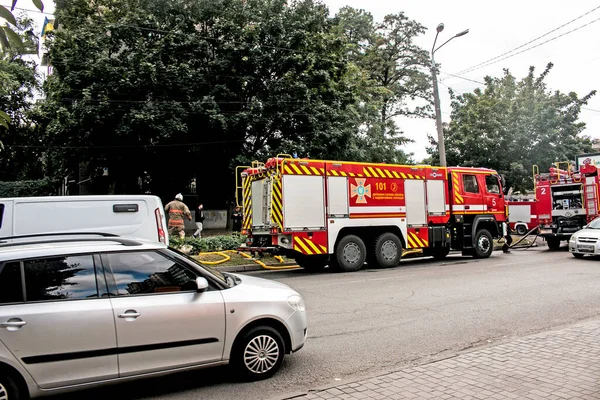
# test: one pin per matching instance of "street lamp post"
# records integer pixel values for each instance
(436, 93)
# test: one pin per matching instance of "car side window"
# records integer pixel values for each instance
(60, 278)
(470, 184)
(138, 273)
(491, 184)
(1, 214)
(11, 288)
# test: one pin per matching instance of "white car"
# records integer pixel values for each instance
(85, 310)
(586, 240)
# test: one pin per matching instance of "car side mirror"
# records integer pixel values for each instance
(585, 227)
(201, 284)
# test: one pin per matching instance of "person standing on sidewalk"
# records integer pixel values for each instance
(177, 210)
(507, 240)
(199, 221)
(236, 218)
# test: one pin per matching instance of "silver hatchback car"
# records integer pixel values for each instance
(91, 309)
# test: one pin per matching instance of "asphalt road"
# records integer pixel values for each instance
(378, 320)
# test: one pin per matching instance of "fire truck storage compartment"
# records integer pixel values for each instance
(567, 197)
(258, 202)
(337, 190)
(416, 214)
(436, 197)
(304, 202)
(520, 213)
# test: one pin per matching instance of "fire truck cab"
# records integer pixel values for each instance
(344, 214)
(566, 200)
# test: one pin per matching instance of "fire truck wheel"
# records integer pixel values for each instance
(388, 250)
(484, 244)
(311, 263)
(350, 253)
(521, 230)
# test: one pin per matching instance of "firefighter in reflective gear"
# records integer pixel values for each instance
(177, 210)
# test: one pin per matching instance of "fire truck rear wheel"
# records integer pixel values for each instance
(350, 254)
(484, 244)
(388, 250)
(521, 230)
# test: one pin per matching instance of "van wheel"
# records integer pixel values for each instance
(521, 230)
(9, 389)
(484, 244)
(388, 250)
(311, 263)
(259, 354)
(350, 253)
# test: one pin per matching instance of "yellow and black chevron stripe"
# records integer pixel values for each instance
(276, 203)
(306, 246)
(376, 172)
(293, 169)
(458, 199)
(415, 242)
(247, 224)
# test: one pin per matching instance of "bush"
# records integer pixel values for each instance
(209, 244)
(40, 187)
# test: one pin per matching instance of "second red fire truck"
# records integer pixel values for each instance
(567, 200)
(344, 214)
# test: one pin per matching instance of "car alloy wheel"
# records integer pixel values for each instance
(261, 354)
(3, 393)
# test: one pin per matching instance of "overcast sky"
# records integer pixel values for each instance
(495, 28)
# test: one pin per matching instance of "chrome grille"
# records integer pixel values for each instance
(587, 240)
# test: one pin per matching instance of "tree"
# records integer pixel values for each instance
(164, 92)
(511, 125)
(18, 84)
(394, 76)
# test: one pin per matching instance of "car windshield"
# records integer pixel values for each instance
(595, 224)
(209, 270)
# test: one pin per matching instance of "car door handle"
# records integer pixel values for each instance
(130, 314)
(13, 324)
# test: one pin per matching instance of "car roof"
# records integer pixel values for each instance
(14, 249)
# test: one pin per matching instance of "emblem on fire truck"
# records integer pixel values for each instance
(360, 191)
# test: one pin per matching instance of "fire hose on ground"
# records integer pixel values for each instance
(524, 237)
(226, 258)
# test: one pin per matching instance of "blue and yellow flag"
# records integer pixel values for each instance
(48, 26)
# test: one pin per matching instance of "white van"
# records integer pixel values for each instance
(135, 216)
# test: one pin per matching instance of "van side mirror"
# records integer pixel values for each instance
(201, 284)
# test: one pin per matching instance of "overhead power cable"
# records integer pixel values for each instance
(485, 63)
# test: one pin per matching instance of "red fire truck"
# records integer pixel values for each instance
(566, 200)
(342, 214)
(522, 216)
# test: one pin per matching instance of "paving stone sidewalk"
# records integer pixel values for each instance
(558, 364)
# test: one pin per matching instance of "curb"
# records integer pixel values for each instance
(249, 267)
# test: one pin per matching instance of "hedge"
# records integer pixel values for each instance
(209, 244)
(40, 187)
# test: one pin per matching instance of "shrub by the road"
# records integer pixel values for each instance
(209, 244)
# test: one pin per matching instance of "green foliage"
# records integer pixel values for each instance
(512, 125)
(209, 244)
(10, 40)
(41, 187)
(18, 130)
(389, 80)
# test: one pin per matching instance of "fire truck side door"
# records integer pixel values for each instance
(472, 193)
(492, 195)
